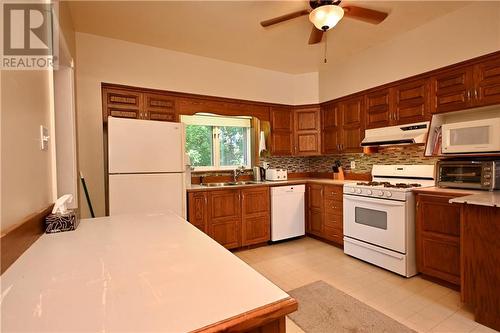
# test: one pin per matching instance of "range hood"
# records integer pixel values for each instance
(396, 135)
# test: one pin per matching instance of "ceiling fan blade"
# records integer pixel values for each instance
(283, 18)
(315, 36)
(364, 14)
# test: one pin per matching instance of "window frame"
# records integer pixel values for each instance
(216, 122)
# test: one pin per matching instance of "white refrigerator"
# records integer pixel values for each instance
(146, 167)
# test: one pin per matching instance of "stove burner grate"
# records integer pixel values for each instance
(389, 185)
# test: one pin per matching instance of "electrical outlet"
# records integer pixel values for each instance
(44, 138)
(353, 164)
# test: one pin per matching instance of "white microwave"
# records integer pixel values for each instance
(477, 136)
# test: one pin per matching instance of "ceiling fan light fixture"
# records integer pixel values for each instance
(326, 17)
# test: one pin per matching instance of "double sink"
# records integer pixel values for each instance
(249, 182)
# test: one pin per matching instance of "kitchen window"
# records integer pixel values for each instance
(215, 143)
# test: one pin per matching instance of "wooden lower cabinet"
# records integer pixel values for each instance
(438, 237)
(256, 221)
(325, 212)
(197, 209)
(480, 226)
(234, 217)
(224, 217)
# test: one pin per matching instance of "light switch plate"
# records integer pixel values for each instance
(44, 138)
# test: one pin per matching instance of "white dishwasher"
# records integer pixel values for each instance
(287, 212)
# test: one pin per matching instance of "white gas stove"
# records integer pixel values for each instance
(379, 216)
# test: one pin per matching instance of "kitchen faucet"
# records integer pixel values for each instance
(238, 172)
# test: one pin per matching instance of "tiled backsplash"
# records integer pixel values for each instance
(364, 162)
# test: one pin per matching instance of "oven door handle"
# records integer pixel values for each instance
(385, 202)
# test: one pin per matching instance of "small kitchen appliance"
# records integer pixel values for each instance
(379, 216)
(256, 174)
(276, 174)
(476, 136)
(479, 175)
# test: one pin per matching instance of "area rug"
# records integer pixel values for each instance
(323, 309)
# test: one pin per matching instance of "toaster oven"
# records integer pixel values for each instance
(479, 175)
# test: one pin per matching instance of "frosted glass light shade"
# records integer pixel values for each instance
(326, 17)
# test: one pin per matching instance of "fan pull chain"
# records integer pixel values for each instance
(326, 48)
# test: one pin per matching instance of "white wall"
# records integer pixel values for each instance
(101, 59)
(466, 33)
(26, 170)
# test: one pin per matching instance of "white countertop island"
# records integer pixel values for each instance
(132, 273)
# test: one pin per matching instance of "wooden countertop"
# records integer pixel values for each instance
(437, 190)
(195, 188)
(134, 273)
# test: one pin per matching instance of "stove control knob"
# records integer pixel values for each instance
(388, 194)
(369, 192)
(358, 191)
(380, 193)
(352, 190)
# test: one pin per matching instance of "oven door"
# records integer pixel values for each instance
(376, 221)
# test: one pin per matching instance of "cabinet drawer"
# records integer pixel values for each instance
(334, 221)
(334, 192)
(333, 206)
(334, 234)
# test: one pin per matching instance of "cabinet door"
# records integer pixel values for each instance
(307, 131)
(330, 131)
(256, 226)
(438, 237)
(121, 103)
(378, 109)
(412, 102)
(281, 131)
(352, 111)
(159, 107)
(315, 222)
(225, 217)
(315, 209)
(452, 90)
(198, 209)
(315, 196)
(487, 82)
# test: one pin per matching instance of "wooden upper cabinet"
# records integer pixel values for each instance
(224, 221)
(255, 212)
(330, 128)
(281, 130)
(452, 89)
(198, 209)
(487, 82)
(159, 107)
(378, 108)
(412, 102)
(121, 103)
(352, 113)
(307, 131)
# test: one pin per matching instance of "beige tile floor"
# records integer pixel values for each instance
(419, 304)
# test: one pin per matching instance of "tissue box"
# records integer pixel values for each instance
(61, 222)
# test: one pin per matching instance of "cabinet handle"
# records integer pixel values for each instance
(468, 95)
(475, 93)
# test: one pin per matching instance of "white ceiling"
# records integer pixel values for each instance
(230, 30)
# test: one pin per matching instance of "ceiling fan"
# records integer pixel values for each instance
(325, 14)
